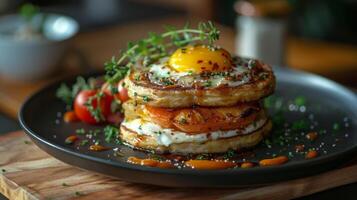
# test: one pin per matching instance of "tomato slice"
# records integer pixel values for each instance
(203, 119)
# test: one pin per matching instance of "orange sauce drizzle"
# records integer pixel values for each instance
(150, 162)
(311, 154)
(96, 147)
(70, 116)
(71, 139)
(247, 165)
(210, 164)
(274, 161)
(311, 136)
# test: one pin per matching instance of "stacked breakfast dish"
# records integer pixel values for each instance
(180, 93)
(196, 99)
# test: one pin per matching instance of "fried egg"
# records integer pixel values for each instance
(200, 58)
(201, 66)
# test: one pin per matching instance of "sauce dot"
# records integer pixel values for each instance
(311, 154)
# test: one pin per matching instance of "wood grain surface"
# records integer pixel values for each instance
(27, 172)
(337, 61)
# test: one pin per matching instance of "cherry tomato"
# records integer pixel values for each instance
(82, 111)
(123, 92)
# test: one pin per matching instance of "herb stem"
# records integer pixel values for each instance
(164, 35)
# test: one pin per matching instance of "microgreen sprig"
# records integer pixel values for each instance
(156, 46)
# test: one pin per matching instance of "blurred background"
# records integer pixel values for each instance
(42, 41)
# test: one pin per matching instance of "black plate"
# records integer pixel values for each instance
(326, 107)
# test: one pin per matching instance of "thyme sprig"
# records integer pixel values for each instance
(156, 46)
(67, 94)
(110, 133)
(95, 111)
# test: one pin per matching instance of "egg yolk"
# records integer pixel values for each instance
(197, 59)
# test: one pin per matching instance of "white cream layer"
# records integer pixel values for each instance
(166, 136)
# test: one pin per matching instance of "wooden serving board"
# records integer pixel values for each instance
(27, 172)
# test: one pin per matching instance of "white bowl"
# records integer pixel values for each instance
(32, 59)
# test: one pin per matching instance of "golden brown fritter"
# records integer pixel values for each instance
(141, 88)
(149, 143)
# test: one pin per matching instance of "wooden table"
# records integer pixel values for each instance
(333, 60)
(24, 167)
(26, 172)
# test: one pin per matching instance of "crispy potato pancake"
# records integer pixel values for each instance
(144, 90)
(150, 143)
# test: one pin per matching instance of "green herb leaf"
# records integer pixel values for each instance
(336, 127)
(229, 154)
(28, 11)
(68, 95)
(83, 142)
(300, 101)
(146, 99)
(110, 133)
(203, 156)
(81, 131)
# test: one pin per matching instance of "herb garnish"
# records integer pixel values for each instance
(300, 101)
(78, 193)
(146, 99)
(84, 142)
(156, 157)
(96, 112)
(151, 49)
(203, 156)
(229, 154)
(29, 11)
(183, 120)
(81, 131)
(68, 95)
(336, 127)
(207, 84)
(299, 125)
(110, 133)
(158, 132)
